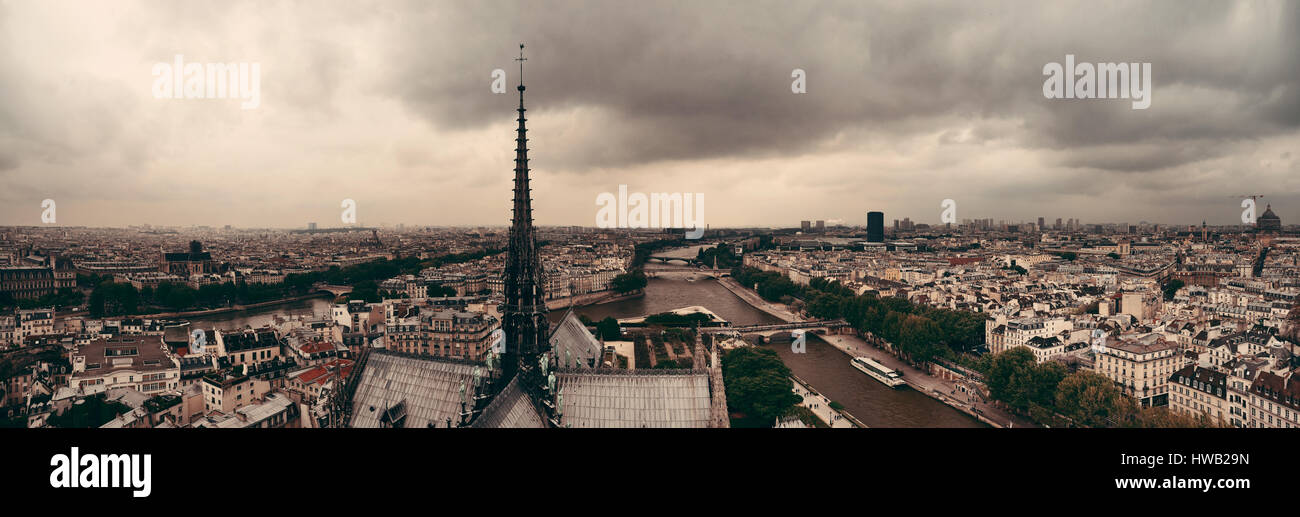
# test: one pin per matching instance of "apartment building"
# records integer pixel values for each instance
(251, 347)
(227, 392)
(33, 322)
(1195, 391)
(444, 333)
(1142, 305)
(1002, 334)
(139, 362)
(1141, 367)
(1275, 401)
(27, 282)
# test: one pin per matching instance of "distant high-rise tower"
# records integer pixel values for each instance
(523, 319)
(805, 226)
(875, 227)
(821, 226)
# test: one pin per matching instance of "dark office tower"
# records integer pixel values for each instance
(1042, 223)
(821, 226)
(875, 227)
(1058, 224)
(805, 226)
(523, 319)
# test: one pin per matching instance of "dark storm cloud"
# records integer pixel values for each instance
(389, 102)
(704, 80)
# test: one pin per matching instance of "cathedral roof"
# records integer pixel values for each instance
(634, 398)
(574, 345)
(510, 409)
(425, 390)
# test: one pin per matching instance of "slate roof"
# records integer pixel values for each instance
(427, 389)
(571, 336)
(510, 409)
(402, 390)
(635, 398)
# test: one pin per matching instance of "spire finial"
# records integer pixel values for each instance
(521, 60)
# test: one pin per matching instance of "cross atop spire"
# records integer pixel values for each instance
(521, 60)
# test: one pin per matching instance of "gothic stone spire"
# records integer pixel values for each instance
(524, 316)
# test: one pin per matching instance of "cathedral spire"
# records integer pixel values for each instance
(524, 320)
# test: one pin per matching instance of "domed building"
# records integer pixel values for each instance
(1269, 221)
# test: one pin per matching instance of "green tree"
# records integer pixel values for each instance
(113, 299)
(1015, 378)
(1171, 288)
(90, 412)
(632, 281)
(758, 385)
(608, 329)
(1089, 399)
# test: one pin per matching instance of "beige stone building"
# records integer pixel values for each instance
(230, 391)
(140, 362)
(1141, 367)
(1275, 401)
(1195, 391)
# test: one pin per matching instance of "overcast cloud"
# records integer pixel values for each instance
(388, 103)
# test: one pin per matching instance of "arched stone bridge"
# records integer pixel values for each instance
(336, 290)
(825, 325)
(666, 259)
(712, 273)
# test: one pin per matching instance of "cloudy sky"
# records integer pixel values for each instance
(390, 104)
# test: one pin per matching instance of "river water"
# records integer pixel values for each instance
(823, 366)
(261, 317)
(827, 369)
(664, 294)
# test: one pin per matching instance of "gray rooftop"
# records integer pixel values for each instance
(510, 409)
(427, 389)
(574, 346)
(637, 398)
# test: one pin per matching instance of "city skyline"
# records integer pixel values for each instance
(313, 226)
(305, 218)
(906, 106)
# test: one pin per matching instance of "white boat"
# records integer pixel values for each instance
(878, 371)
